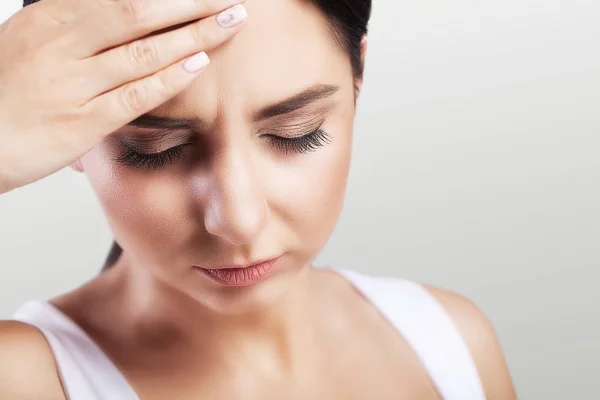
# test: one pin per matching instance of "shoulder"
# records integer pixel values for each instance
(481, 339)
(27, 367)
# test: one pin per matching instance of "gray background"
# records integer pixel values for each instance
(476, 168)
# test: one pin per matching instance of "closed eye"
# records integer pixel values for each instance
(136, 159)
(306, 143)
(301, 144)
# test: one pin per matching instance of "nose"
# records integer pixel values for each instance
(236, 208)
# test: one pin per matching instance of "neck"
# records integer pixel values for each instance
(280, 328)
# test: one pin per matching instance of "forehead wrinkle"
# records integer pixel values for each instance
(257, 67)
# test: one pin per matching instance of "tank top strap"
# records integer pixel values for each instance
(427, 328)
(85, 371)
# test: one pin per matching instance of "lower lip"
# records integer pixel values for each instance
(242, 276)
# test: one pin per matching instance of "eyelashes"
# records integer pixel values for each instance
(136, 159)
(302, 144)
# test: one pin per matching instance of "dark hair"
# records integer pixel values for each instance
(348, 19)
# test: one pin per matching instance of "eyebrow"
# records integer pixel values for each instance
(293, 103)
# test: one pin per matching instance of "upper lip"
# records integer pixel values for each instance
(239, 266)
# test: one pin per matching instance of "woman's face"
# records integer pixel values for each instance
(245, 178)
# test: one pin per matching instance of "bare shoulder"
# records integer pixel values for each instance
(482, 341)
(27, 367)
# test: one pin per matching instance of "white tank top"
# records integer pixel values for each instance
(88, 374)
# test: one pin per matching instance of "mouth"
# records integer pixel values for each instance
(238, 275)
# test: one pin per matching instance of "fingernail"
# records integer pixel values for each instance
(196, 62)
(232, 16)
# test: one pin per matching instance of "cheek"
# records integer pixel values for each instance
(144, 210)
(309, 194)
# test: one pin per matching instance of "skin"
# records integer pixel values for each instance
(233, 199)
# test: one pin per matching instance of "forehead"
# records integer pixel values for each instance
(285, 47)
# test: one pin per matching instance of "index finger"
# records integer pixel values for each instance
(117, 22)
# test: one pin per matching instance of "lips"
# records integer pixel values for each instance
(235, 275)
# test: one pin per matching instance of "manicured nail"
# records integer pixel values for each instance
(232, 16)
(196, 62)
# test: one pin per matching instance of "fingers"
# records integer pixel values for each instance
(148, 55)
(122, 105)
(116, 22)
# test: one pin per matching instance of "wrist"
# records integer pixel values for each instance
(4, 187)
(5, 128)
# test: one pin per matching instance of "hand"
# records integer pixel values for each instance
(74, 71)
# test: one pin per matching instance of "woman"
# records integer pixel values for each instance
(221, 183)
